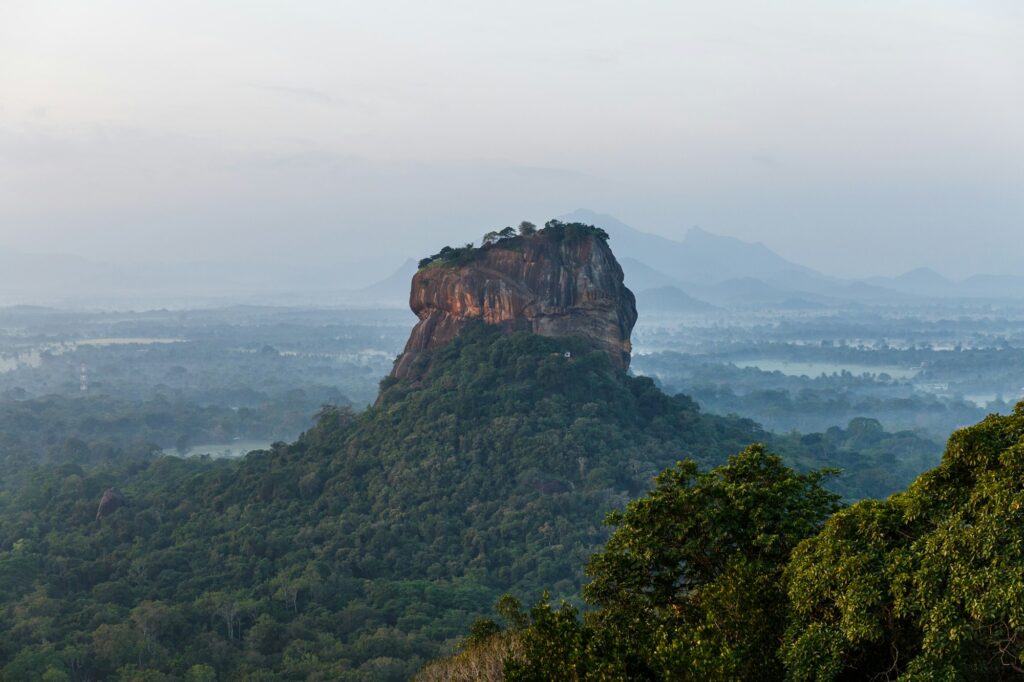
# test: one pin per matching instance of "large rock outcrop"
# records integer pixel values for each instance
(561, 281)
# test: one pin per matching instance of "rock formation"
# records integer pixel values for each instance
(112, 500)
(561, 281)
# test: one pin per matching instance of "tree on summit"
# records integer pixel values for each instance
(495, 236)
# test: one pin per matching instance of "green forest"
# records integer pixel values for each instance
(378, 540)
(753, 571)
(529, 341)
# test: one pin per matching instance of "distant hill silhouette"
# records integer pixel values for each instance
(393, 289)
(671, 299)
(640, 276)
(702, 257)
(926, 282)
(730, 272)
(703, 264)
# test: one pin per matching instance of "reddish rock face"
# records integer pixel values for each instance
(112, 500)
(548, 284)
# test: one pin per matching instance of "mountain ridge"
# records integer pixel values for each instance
(702, 257)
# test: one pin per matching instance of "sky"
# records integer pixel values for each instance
(859, 138)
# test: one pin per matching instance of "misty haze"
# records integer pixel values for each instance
(549, 341)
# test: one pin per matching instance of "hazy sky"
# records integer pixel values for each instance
(859, 138)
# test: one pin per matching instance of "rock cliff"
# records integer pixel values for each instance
(561, 281)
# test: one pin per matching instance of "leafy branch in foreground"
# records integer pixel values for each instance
(730, 575)
(689, 586)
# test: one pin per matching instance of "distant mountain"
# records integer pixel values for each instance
(922, 277)
(670, 299)
(640, 276)
(928, 283)
(393, 289)
(741, 291)
(993, 286)
(702, 264)
(919, 282)
(864, 292)
(702, 257)
(798, 303)
(726, 271)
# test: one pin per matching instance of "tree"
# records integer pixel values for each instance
(55, 674)
(690, 585)
(266, 635)
(289, 585)
(150, 619)
(926, 585)
(227, 607)
(201, 673)
(489, 238)
(35, 663)
(527, 228)
(507, 233)
(118, 645)
(554, 646)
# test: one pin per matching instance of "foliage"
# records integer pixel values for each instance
(450, 256)
(481, 660)
(560, 231)
(928, 584)
(690, 585)
(101, 429)
(693, 572)
(782, 402)
(872, 462)
(496, 236)
(507, 238)
(553, 647)
(725, 575)
(373, 542)
(356, 552)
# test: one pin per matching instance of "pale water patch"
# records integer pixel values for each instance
(123, 341)
(815, 369)
(237, 448)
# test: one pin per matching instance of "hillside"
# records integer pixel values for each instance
(359, 550)
(752, 571)
(368, 545)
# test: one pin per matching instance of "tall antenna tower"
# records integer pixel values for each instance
(83, 379)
